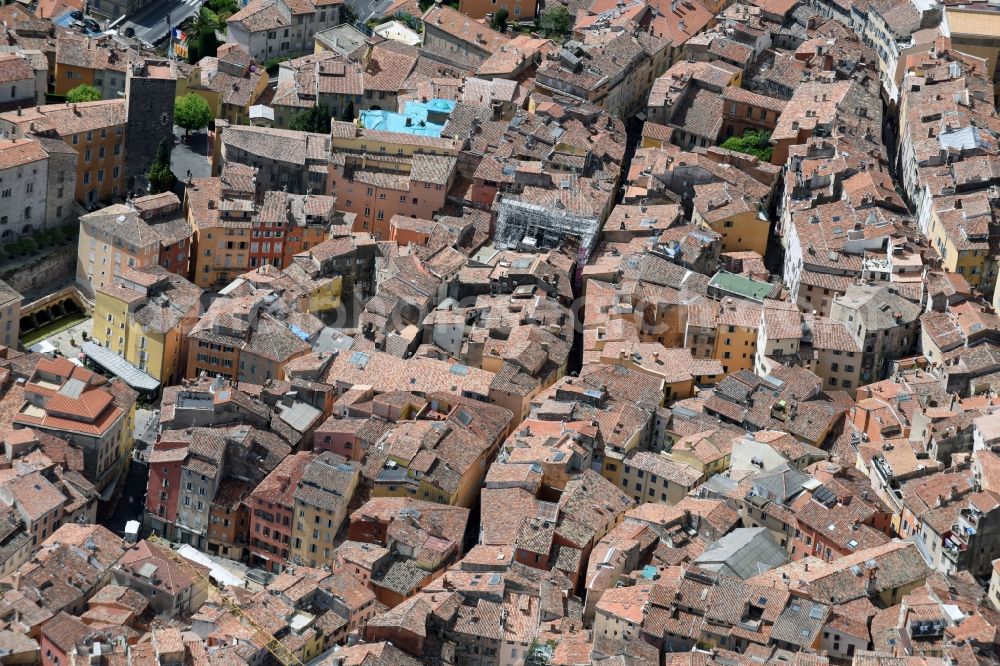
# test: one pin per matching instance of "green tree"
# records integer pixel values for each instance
(161, 178)
(208, 45)
(223, 9)
(83, 93)
(222, 6)
(348, 15)
(205, 21)
(556, 20)
(192, 113)
(500, 20)
(315, 119)
(753, 143)
(348, 111)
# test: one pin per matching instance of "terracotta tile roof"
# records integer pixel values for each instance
(679, 21)
(743, 96)
(457, 24)
(388, 66)
(260, 15)
(172, 579)
(65, 631)
(94, 54)
(700, 114)
(68, 119)
(34, 495)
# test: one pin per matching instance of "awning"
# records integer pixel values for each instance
(119, 367)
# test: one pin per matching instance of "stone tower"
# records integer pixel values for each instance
(150, 87)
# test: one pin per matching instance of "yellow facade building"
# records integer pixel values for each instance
(321, 501)
(113, 239)
(222, 229)
(454, 480)
(961, 237)
(976, 31)
(733, 215)
(726, 331)
(709, 452)
(229, 83)
(94, 130)
(144, 316)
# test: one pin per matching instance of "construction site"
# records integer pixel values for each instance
(528, 227)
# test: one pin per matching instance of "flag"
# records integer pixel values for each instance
(179, 35)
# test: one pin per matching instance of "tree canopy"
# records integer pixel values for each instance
(161, 178)
(315, 119)
(752, 143)
(500, 19)
(83, 93)
(192, 112)
(556, 20)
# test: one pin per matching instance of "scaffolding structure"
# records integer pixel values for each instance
(527, 226)
(262, 637)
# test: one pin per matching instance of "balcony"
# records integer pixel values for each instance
(952, 554)
(971, 516)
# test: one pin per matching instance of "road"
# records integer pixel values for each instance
(151, 26)
(190, 156)
(131, 500)
(147, 427)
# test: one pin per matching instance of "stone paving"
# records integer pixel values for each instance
(64, 341)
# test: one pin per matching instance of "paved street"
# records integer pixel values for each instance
(191, 156)
(132, 499)
(150, 25)
(147, 425)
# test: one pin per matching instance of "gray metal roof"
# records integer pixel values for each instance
(300, 415)
(744, 553)
(119, 367)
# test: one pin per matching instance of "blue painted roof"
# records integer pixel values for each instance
(413, 119)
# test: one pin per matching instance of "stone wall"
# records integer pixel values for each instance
(41, 273)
